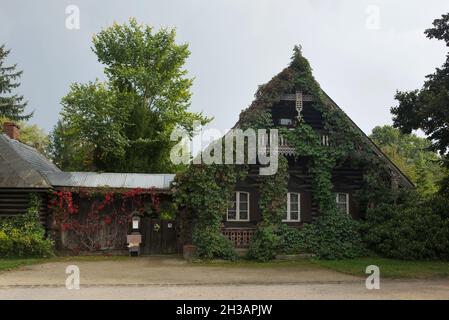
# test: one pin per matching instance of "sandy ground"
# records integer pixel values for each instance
(390, 290)
(172, 278)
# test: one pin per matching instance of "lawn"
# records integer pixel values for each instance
(7, 264)
(389, 268)
(12, 263)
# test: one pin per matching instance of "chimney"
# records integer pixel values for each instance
(12, 130)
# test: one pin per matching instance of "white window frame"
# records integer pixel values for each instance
(289, 219)
(325, 140)
(237, 207)
(347, 200)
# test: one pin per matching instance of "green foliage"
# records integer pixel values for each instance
(203, 193)
(67, 151)
(272, 239)
(414, 228)
(124, 124)
(426, 108)
(273, 190)
(292, 240)
(211, 243)
(12, 105)
(265, 243)
(333, 236)
(167, 210)
(412, 155)
(24, 236)
(6, 244)
(92, 113)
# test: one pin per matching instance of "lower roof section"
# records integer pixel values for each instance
(111, 180)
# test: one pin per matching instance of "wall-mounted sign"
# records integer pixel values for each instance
(135, 223)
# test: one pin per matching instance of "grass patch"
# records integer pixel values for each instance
(389, 268)
(13, 263)
(242, 263)
(8, 264)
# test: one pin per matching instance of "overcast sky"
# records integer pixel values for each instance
(361, 51)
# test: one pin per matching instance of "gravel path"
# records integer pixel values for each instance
(172, 278)
(389, 290)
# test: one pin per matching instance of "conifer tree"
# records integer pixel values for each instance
(12, 105)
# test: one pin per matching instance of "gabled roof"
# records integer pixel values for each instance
(284, 82)
(22, 166)
(375, 148)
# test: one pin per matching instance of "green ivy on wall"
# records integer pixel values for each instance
(203, 192)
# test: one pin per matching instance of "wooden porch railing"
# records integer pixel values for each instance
(240, 237)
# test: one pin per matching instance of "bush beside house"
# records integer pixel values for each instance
(414, 228)
(24, 236)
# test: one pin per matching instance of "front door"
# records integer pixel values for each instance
(159, 236)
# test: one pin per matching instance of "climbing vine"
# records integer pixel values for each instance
(107, 215)
(204, 191)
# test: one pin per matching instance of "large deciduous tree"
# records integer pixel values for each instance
(12, 105)
(428, 108)
(124, 124)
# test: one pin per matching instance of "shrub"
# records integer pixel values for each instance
(334, 235)
(211, 244)
(292, 240)
(414, 229)
(6, 244)
(24, 236)
(265, 243)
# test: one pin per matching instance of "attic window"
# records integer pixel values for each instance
(285, 122)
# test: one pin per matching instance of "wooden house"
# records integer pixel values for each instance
(289, 105)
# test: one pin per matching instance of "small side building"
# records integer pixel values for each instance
(23, 171)
(86, 211)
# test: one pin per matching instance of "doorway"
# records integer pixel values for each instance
(159, 236)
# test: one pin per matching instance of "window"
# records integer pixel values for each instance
(293, 209)
(239, 208)
(325, 140)
(282, 141)
(343, 202)
(285, 122)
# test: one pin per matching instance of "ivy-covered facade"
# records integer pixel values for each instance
(327, 168)
(329, 174)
